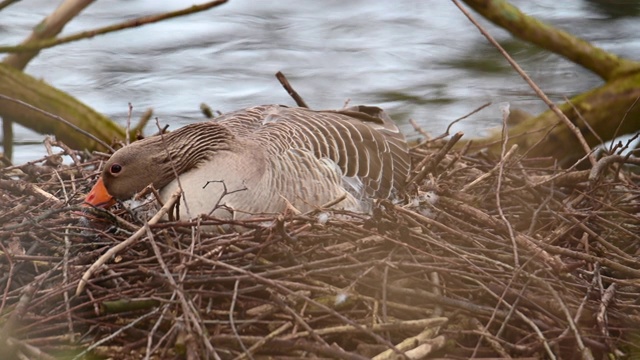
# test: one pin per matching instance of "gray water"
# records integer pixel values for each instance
(418, 59)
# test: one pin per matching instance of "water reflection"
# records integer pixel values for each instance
(616, 8)
(418, 59)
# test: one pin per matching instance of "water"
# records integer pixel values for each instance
(418, 59)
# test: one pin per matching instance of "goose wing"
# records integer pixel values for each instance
(362, 141)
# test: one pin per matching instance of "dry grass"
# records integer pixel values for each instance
(495, 258)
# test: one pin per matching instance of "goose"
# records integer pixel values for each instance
(264, 159)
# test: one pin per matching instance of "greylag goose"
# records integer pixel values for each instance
(263, 159)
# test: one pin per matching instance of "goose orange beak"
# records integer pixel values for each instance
(99, 196)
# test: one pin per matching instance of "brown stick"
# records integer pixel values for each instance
(287, 86)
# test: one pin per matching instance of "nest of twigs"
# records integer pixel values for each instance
(487, 258)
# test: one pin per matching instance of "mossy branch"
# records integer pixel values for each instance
(600, 114)
(606, 65)
(20, 86)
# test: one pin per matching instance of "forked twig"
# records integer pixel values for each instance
(114, 250)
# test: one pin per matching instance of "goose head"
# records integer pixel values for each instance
(156, 161)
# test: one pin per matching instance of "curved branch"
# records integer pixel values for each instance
(58, 118)
(17, 85)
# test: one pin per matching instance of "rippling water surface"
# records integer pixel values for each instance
(419, 59)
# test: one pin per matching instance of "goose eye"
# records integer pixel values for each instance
(115, 168)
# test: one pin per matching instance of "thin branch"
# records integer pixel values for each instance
(51, 26)
(144, 20)
(536, 89)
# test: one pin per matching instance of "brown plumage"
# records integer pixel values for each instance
(266, 156)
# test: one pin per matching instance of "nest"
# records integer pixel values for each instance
(486, 258)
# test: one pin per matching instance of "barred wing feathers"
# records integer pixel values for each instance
(362, 141)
